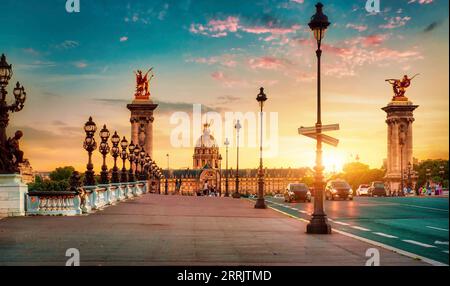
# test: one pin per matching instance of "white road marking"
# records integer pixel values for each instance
(376, 243)
(438, 228)
(441, 242)
(385, 235)
(330, 219)
(419, 243)
(445, 251)
(341, 223)
(360, 228)
(421, 207)
(304, 212)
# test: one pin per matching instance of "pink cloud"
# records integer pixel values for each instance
(269, 63)
(359, 28)
(395, 22)
(421, 1)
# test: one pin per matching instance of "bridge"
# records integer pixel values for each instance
(153, 229)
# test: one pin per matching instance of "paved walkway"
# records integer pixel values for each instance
(175, 230)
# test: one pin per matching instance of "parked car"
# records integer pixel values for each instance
(278, 196)
(253, 196)
(338, 189)
(377, 189)
(362, 190)
(296, 193)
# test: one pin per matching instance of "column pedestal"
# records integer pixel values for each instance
(12, 195)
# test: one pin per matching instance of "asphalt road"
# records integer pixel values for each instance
(418, 225)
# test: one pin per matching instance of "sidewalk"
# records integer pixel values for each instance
(175, 230)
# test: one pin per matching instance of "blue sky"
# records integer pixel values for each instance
(218, 53)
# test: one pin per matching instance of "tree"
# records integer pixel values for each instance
(62, 173)
(357, 173)
(434, 166)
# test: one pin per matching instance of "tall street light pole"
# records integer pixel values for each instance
(319, 222)
(236, 194)
(166, 183)
(227, 143)
(260, 203)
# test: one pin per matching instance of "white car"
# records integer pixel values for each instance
(278, 196)
(363, 190)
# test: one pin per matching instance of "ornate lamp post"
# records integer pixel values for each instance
(319, 222)
(131, 159)
(441, 174)
(115, 152)
(89, 145)
(260, 203)
(104, 150)
(8, 164)
(236, 194)
(136, 151)
(124, 157)
(148, 161)
(142, 154)
(226, 143)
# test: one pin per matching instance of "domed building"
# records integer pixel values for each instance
(206, 151)
(207, 159)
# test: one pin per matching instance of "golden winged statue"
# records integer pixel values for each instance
(400, 85)
(143, 83)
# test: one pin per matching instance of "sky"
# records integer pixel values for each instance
(218, 54)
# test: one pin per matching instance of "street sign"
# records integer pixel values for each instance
(314, 132)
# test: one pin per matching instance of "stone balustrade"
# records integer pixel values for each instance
(85, 200)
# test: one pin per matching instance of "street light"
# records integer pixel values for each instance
(104, 150)
(236, 194)
(148, 161)
(319, 222)
(142, 163)
(115, 152)
(226, 143)
(89, 145)
(8, 164)
(166, 183)
(428, 174)
(124, 157)
(260, 203)
(131, 159)
(136, 151)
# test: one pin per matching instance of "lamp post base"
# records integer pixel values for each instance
(236, 195)
(318, 225)
(260, 204)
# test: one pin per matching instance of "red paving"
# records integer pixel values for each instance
(175, 230)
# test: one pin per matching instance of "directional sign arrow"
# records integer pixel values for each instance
(313, 130)
(316, 131)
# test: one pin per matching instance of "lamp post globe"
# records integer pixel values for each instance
(104, 150)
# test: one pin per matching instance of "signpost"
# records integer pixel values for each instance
(316, 131)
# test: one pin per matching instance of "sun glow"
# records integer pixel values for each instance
(333, 161)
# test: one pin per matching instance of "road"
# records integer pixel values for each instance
(416, 225)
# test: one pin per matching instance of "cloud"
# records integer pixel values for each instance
(164, 107)
(269, 63)
(395, 22)
(227, 80)
(224, 60)
(68, 44)
(421, 1)
(221, 28)
(123, 39)
(80, 64)
(359, 28)
(31, 51)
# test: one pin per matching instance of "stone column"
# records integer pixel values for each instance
(142, 113)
